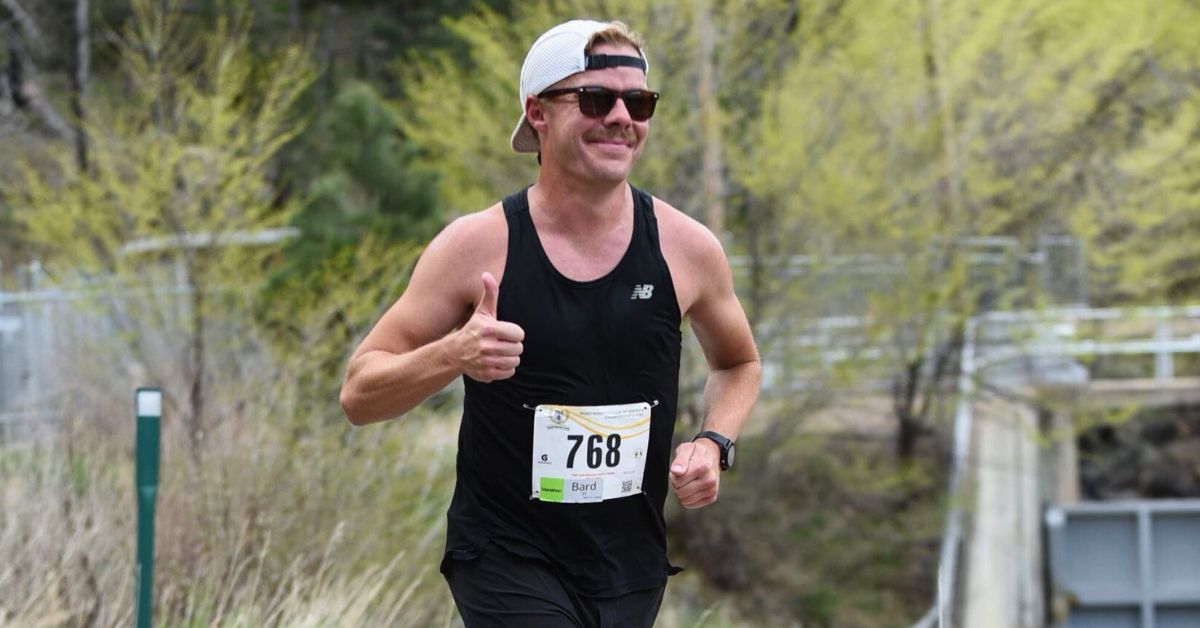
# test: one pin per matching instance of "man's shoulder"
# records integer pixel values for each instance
(679, 230)
(480, 228)
(470, 243)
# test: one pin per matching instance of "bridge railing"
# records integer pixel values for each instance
(996, 338)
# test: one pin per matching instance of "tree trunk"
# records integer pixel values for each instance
(950, 181)
(904, 396)
(712, 168)
(79, 81)
(196, 363)
(757, 298)
(12, 73)
(294, 19)
(29, 28)
(26, 93)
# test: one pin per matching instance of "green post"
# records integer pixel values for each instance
(148, 403)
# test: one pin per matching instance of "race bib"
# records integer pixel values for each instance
(589, 453)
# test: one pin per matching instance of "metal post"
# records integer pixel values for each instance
(947, 576)
(1164, 361)
(148, 402)
(1145, 554)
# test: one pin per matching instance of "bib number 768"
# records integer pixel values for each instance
(609, 455)
(587, 454)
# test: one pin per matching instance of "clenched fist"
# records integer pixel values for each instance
(696, 473)
(489, 349)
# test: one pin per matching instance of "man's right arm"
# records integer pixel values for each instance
(431, 335)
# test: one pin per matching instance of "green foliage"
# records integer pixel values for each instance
(1142, 202)
(819, 605)
(361, 39)
(462, 113)
(909, 137)
(457, 113)
(316, 315)
(187, 150)
(367, 211)
(180, 174)
(360, 180)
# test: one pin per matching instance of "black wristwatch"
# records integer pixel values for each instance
(726, 446)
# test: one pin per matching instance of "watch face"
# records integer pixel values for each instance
(729, 456)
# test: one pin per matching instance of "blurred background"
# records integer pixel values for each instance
(965, 233)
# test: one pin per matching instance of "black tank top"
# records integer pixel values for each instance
(613, 340)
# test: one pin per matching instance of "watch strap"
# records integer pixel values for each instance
(723, 443)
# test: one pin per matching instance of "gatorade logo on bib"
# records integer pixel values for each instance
(589, 453)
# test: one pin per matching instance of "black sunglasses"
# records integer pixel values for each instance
(596, 101)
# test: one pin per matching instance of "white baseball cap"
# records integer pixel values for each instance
(557, 54)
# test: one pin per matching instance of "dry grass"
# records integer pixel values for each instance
(330, 528)
(282, 514)
(339, 527)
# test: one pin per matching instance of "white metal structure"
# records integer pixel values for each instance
(997, 338)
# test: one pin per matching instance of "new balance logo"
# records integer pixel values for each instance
(642, 291)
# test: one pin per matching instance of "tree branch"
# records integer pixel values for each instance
(22, 76)
(81, 61)
(28, 26)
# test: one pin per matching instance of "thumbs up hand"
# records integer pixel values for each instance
(488, 349)
(491, 295)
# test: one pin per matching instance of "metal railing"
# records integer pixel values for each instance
(947, 574)
(43, 325)
(1035, 333)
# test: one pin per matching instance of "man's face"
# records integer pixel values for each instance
(602, 149)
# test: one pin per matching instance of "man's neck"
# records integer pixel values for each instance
(580, 207)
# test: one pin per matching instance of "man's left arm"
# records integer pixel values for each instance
(734, 375)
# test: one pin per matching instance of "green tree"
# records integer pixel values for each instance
(360, 179)
(1139, 202)
(182, 174)
(908, 138)
(367, 209)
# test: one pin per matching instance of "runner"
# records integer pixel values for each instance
(561, 307)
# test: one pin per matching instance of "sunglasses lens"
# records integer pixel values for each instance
(640, 105)
(596, 102)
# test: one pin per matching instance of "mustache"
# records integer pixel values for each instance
(623, 135)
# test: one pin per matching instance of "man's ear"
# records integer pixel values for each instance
(535, 114)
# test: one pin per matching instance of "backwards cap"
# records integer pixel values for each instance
(557, 54)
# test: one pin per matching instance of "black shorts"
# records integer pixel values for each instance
(499, 588)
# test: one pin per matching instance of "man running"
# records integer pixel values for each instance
(562, 306)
